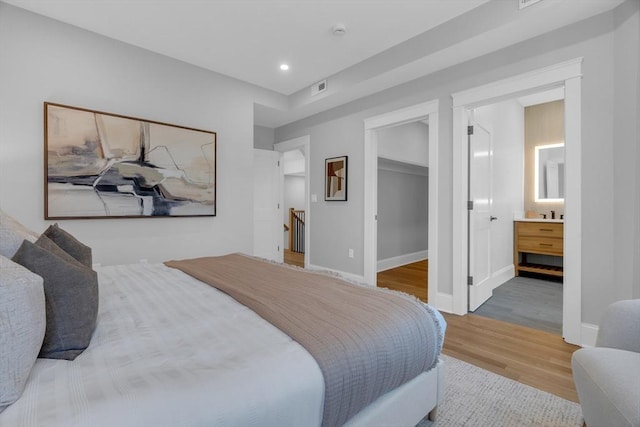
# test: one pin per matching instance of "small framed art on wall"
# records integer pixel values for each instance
(335, 179)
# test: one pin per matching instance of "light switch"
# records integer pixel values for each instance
(314, 197)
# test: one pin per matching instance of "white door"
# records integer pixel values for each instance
(267, 202)
(480, 215)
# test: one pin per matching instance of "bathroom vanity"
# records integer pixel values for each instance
(537, 236)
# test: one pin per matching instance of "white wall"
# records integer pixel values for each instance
(408, 143)
(341, 132)
(506, 120)
(294, 162)
(293, 198)
(46, 60)
(403, 210)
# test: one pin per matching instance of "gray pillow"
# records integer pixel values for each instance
(46, 243)
(71, 300)
(70, 244)
(12, 233)
(22, 325)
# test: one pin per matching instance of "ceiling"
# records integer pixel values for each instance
(248, 39)
(387, 42)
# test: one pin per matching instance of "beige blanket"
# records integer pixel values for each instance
(367, 341)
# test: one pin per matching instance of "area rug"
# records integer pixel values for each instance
(476, 397)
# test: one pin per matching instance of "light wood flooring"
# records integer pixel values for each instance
(410, 278)
(530, 356)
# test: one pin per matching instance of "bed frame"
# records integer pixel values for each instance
(406, 405)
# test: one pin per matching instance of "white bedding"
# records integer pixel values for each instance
(171, 351)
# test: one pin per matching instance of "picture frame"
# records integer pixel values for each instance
(336, 179)
(104, 165)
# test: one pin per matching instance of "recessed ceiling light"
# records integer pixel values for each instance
(339, 29)
(284, 67)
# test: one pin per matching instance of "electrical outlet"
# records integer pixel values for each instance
(350, 253)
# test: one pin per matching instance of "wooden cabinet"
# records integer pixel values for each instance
(537, 237)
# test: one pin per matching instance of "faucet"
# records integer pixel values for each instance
(544, 216)
(553, 214)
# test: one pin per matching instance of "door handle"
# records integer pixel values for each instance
(493, 218)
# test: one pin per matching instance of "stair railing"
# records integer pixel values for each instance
(296, 231)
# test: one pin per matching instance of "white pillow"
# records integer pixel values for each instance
(22, 326)
(12, 234)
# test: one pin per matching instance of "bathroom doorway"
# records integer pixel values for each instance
(523, 276)
(567, 75)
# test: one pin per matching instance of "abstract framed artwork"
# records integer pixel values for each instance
(335, 187)
(103, 165)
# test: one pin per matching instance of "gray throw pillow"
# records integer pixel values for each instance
(70, 244)
(22, 324)
(71, 300)
(46, 243)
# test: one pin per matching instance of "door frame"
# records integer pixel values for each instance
(569, 75)
(414, 113)
(304, 143)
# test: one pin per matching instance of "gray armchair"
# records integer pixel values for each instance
(607, 376)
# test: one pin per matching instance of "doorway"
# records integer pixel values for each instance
(522, 287)
(296, 217)
(403, 209)
(420, 112)
(567, 75)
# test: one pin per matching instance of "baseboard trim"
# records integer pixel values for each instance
(503, 275)
(588, 335)
(443, 302)
(397, 261)
(350, 276)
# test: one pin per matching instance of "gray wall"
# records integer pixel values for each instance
(45, 60)
(625, 172)
(636, 258)
(402, 211)
(605, 151)
(263, 137)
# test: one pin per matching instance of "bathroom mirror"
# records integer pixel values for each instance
(549, 173)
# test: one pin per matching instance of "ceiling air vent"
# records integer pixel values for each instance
(526, 3)
(318, 87)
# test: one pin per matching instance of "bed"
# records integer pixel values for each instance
(170, 350)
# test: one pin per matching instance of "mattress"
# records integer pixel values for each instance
(169, 350)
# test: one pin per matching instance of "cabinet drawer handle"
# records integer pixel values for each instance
(546, 244)
(546, 229)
